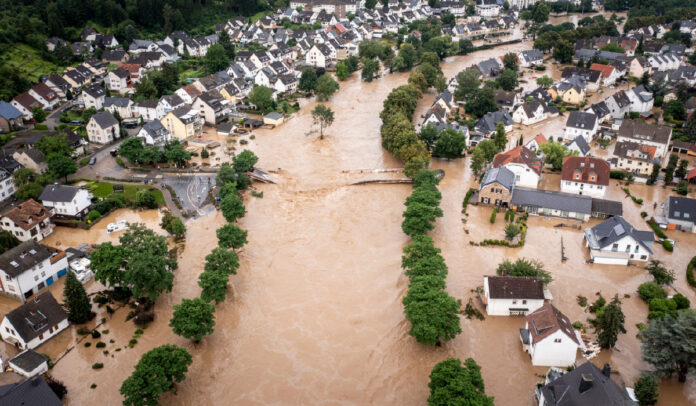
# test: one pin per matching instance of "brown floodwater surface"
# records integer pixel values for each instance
(314, 316)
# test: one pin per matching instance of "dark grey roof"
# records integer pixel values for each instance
(36, 316)
(105, 119)
(515, 287)
(29, 360)
(488, 122)
(581, 119)
(682, 208)
(600, 109)
(22, 257)
(501, 175)
(621, 99)
(532, 54)
(613, 229)
(273, 115)
(581, 143)
(59, 193)
(156, 130)
(551, 200)
(607, 207)
(116, 101)
(600, 389)
(95, 91)
(31, 392)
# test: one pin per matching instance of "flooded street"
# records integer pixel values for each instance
(315, 314)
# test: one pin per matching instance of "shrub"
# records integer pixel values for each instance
(493, 214)
(97, 365)
(681, 301)
(83, 331)
(96, 334)
(105, 331)
(577, 325)
(88, 344)
(690, 278)
(617, 175)
(656, 229)
(512, 231)
(651, 290)
(100, 344)
(582, 300)
(667, 246)
(93, 215)
(643, 214)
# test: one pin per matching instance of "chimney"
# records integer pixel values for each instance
(585, 383)
(606, 371)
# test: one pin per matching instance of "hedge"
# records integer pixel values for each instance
(469, 193)
(690, 278)
(495, 211)
(656, 228)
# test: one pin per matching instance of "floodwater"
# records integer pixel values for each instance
(314, 315)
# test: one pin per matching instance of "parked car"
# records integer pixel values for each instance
(93, 160)
(75, 122)
(130, 124)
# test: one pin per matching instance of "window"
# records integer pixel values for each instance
(36, 278)
(43, 274)
(615, 247)
(556, 340)
(524, 302)
(40, 336)
(643, 257)
(514, 302)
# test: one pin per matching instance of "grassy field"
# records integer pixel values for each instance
(103, 189)
(28, 61)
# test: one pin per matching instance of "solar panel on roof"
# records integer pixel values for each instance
(618, 229)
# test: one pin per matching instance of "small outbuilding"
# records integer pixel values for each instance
(29, 363)
(273, 118)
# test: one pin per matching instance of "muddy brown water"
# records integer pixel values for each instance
(315, 315)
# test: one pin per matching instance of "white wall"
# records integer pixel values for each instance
(501, 307)
(548, 352)
(81, 201)
(636, 250)
(524, 176)
(585, 189)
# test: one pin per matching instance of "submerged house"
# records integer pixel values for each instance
(615, 241)
(549, 338)
(513, 295)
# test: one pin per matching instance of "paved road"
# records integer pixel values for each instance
(191, 189)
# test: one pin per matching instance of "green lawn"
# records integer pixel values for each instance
(27, 60)
(103, 189)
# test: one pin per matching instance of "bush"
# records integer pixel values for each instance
(88, 344)
(656, 229)
(493, 214)
(83, 331)
(643, 214)
(682, 301)
(651, 290)
(96, 334)
(690, 278)
(100, 344)
(667, 246)
(41, 127)
(617, 175)
(469, 193)
(97, 365)
(93, 215)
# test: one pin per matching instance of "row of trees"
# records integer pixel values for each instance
(432, 312)
(137, 153)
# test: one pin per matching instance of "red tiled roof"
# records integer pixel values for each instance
(27, 214)
(605, 69)
(547, 320)
(521, 155)
(586, 168)
(691, 174)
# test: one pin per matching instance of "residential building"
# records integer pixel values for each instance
(487, 124)
(549, 203)
(93, 96)
(513, 295)
(646, 134)
(319, 55)
(497, 186)
(619, 104)
(634, 158)
(579, 145)
(44, 95)
(154, 133)
(585, 176)
(488, 8)
(641, 100)
(26, 104)
(30, 392)
(532, 112)
(28, 220)
(103, 128)
(121, 105)
(615, 241)
(28, 268)
(146, 109)
(580, 123)
(680, 213)
(523, 163)
(549, 338)
(183, 123)
(535, 143)
(32, 159)
(28, 363)
(119, 80)
(608, 72)
(66, 201)
(571, 92)
(530, 57)
(35, 322)
(7, 188)
(212, 106)
(10, 117)
(585, 385)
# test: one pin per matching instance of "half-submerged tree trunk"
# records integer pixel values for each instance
(321, 131)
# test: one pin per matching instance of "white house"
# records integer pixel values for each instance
(154, 133)
(319, 55)
(523, 163)
(513, 295)
(579, 145)
(532, 112)
(28, 220)
(7, 187)
(585, 176)
(28, 268)
(93, 96)
(68, 201)
(121, 105)
(488, 8)
(619, 104)
(530, 57)
(146, 109)
(641, 100)
(615, 241)
(29, 363)
(119, 80)
(549, 338)
(646, 134)
(103, 128)
(580, 123)
(535, 143)
(35, 322)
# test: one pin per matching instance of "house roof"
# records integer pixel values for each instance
(682, 208)
(539, 139)
(28, 360)
(488, 122)
(44, 91)
(600, 109)
(581, 119)
(605, 70)
(607, 207)
(273, 115)
(501, 175)
(8, 111)
(117, 101)
(30, 392)
(515, 287)
(582, 145)
(634, 150)
(549, 199)
(59, 193)
(104, 119)
(36, 316)
(27, 214)
(586, 166)
(27, 101)
(547, 320)
(520, 155)
(645, 132)
(22, 257)
(613, 229)
(597, 389)
(95, 91)
(121, 72)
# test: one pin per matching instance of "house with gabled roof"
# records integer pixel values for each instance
(646, 134)
(615, 241)
(45, 95)
(523, 163)
(103, 128)
(10, 117)
(680, 213)
(585, 176)
(532, 112)
(585, 385)
(619, 104)
(93, 96)
(28, 220)
(497, 186)
(154, 133)
(66, 201)
(641, 100)
(579, 145)
(487, 124)
(530, 57)
(580, 123)
(608, 72)
(25, 103)
(513, 295)
(634, 158)
(549, 337)
(35, 322)
(58, 85)
(536, 142)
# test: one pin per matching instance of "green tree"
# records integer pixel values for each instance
(262, 97)
(466, 46)
(563, 51)
(613, 47)
(646, 390)
(76, 300)
(417, 79)
(324, 117)
(146, 199)
(216, 59)
(669, 345)
(655, 173)
(140, 263)
(308, 80)
(370, 69)
(155, 374)
(419, 219)
(610, 323)
(554, 153)
(231, 236)
(450, 144)
(481, 101)
(689, 130)
(226, 175)
(342, 71)
(433, 314)
(173, 225)
(408, 54)
(7, 241)
(226, 42)
(61, 165)
(540, 12)
(661, 275)
(232, 207)
(511, 231)
(669, 169)
(131, 149)
(510, 61)
(193, 319)
(545, 82)
(38, 114)
(174, 152)
(352, 63)
(370, 4)
(222, 260)
(54, 144)
(428, 134)
(682, 170)
(213, 286)
(452, 383)
(244, 161)
(500, 137)
(326, 87)
(675, 109)
(524, 267)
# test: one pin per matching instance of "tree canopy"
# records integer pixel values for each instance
(452, 383)
(524, 267)
(193, 319)
(155, 374)
(76, 300)
(669, 345)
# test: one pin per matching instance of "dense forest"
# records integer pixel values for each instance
(671, 10)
